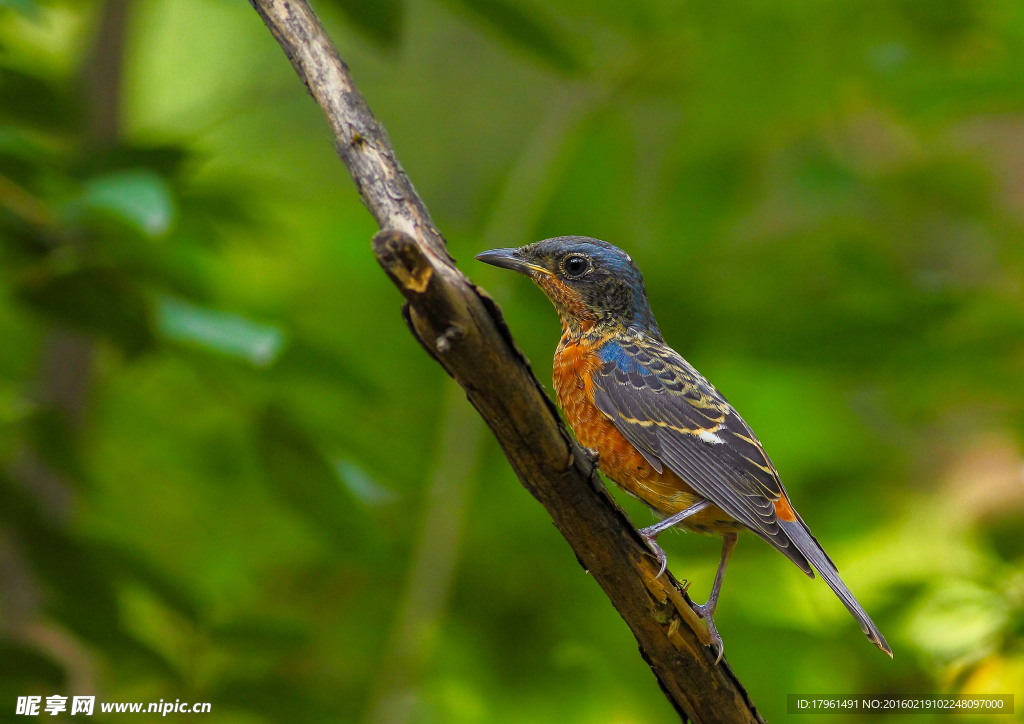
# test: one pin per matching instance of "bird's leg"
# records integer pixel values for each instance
(707, 611)
(650, 533)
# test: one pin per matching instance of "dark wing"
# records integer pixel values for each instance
(675, 417)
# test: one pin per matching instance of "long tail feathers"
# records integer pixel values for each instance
(806, 544)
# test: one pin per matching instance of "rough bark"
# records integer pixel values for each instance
(459, 325)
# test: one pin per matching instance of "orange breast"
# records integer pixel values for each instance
(665, 492)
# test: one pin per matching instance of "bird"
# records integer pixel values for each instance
(654, 424)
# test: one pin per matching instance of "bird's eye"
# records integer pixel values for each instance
(575, 265)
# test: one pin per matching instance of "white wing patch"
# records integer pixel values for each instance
(713, 438)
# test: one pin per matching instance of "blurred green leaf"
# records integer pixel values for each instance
(381, 20)
(97, 301)
(362, 485)
(30, 101)
(959, 619)
(138, 197)
(302, 478)
(525, 29)
(229, 334)
(232, 203)
(18, 143)
(128, 564)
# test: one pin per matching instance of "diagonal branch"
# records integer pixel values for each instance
(459, 325)
(524, 196)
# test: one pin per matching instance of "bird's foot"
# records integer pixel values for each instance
(592, 455)
(651, 539)
(706, 612)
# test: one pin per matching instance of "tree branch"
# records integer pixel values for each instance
(459, 325)
(104, 71)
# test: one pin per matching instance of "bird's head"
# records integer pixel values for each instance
(589, 281)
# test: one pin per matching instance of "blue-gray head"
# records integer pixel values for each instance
(589, 281)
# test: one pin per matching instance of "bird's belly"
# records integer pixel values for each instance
(664, 492)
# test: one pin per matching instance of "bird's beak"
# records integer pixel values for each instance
(509, 259)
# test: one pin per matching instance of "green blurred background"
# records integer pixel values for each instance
(228, 473)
